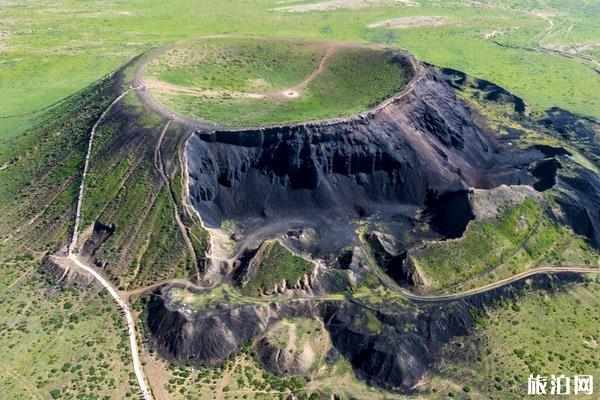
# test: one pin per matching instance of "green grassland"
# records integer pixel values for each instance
(51, 50)
(276, 264)
(40, 178)
(520, 238)
(211, 79)
(540, 333)
(56, 342)
(237, 63)
(59, 343)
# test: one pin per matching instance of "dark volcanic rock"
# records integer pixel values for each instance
(450, 212)
(393, 262)
(203, 338)
(100, 234)
(578, 197)
(569, 125)
(406, 340)
(545, 171)
(390, 347)
(208, 337)
(329, 174)
(490, 91)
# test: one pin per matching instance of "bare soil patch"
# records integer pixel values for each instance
(168, 88)
(410, 22)
(329, 5)
(573, 48)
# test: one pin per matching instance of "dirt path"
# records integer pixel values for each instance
(137, 365)
(331, 49)
(182, 228)
(170, 88)
(553, 50)
(390, 284)
(185, 284)
(86, 166)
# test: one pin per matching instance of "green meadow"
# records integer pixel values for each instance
(49, 50)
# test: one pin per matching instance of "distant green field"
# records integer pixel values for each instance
(51, 50)
(250, 82)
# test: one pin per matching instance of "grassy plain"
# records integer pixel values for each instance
(541, 333)
(59, 343)
(49, 50)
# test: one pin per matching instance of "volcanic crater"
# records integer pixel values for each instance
(348, 178)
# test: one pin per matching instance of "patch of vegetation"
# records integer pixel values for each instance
(275, 265)
(60, 343)
(246, 82)
(522, 237)
(540, 334)
(295, 335)
(367, 320)
(482, 245)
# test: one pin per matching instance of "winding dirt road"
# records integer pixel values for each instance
(159, 164)
(392, 285)
(137, 365)
(86, 166)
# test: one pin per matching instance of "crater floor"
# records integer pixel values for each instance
(240, 81)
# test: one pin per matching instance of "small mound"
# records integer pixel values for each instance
(294, 346)
(256, 82)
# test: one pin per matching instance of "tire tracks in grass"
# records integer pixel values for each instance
(160, 165)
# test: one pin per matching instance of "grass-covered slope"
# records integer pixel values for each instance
(540, 334)
(62, 342)
(40, 173)
(520, 238)
(275, 264)
(57, 342)
(124, 190)
(250, 82)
